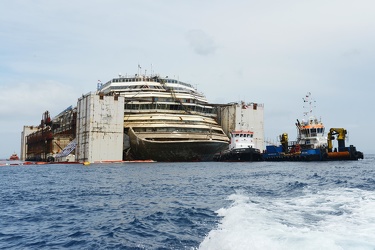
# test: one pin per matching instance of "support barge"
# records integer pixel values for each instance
(311, 143)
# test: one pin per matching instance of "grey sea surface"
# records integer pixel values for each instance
(206, 205)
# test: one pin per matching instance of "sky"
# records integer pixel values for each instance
(270, 52)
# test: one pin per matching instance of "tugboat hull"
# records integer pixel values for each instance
(346, 154)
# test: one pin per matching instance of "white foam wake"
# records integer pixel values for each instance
(332, 219)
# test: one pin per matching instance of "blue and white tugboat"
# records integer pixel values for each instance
(241, 148)
(311, 143)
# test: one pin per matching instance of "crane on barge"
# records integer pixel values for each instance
(341, 152)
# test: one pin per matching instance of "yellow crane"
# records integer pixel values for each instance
(284, 142)
(340, 132)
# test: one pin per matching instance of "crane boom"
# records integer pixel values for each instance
(341, 133)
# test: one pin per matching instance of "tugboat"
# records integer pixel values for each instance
(311, 144)
(14, 157)
(241, 148)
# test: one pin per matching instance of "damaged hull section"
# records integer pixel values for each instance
(174, 150)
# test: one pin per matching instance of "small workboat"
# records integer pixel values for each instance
(241, 148)
(14, 157)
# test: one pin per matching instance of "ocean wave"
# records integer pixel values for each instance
(339, 218)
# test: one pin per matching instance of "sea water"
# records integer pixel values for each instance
(209, 205)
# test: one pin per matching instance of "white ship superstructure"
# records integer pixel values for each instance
(310, 132)
(166, 119)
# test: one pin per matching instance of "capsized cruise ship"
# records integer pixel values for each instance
(166, 119)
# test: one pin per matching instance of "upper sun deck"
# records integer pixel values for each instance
(140, 80)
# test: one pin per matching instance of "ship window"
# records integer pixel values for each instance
(313, 131)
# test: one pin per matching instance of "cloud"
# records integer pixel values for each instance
(27, 101)
(269, 52)
(200, 42)
(351, 53)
